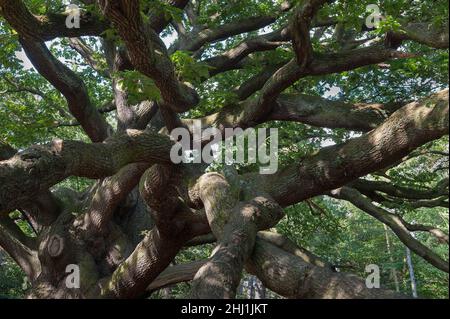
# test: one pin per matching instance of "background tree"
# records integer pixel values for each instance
(85, 170)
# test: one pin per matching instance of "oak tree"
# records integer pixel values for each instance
(353, 100)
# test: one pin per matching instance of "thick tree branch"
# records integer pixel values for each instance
(176, 274)
(109, 194)
(300, 31)
(71, 86)
(148, 54)
(287, 269)
(226, 60)
(424, 33)
(40, 167)
(228, 30)
(317, 111)
(202, 240)
(128, 116)
(234, 28)
(292, 277)
(289, 246)
(175, 225)
(159, 21)
(430, 203)
(44, 208)
(232, 58)
(20, 247)
(363, 186)
(234, 224)
(291, 72)
(436, 232)
(151, 256)
(6, 151)
(311, 110)
(255, 83)
(408, 128)
(48, 27)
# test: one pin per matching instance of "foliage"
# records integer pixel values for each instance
(31, 112)
(12, 279)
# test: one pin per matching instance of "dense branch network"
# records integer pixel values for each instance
(143, 210)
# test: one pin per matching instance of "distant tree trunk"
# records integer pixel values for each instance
(411, 273)
(391, 259)
(251, 288)
(241, 288)
(261, 290)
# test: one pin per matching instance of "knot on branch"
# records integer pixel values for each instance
(55, 246)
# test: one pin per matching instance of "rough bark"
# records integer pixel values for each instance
(292, 277)
(125, 237)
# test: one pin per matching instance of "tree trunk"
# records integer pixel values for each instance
(412, 277)
(118, 237)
